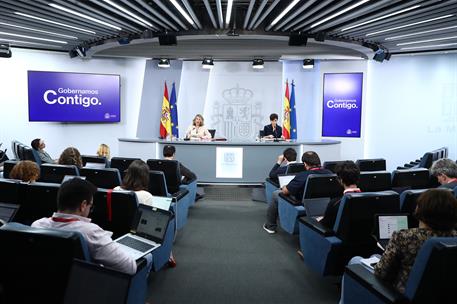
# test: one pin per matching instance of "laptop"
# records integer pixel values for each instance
(7, 212)
(161, 202)
(386, 224)
(147, 232)
(315, 207)
(284, 180)
(95, 165)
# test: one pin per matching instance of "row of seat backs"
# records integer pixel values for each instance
(327, 185)
(374, 164)
(24, 152)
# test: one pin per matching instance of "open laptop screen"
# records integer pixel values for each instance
(387, 224)
(152, 224)
(7, 211)
(161, 202)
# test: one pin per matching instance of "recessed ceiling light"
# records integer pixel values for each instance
(164, 63)
(284, 12)
(84, 16)
(428, 46)
(428, 40)
(380, 17)
(420, 33)
(38, 31)
(339, 13)
(33, 37)
(128, 12)
(408, 25)
(229, 11)
(182, 11)
(54, 22)
(13, 42)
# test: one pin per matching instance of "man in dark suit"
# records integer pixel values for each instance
(296, 187)
(272, 130)
(288, 156)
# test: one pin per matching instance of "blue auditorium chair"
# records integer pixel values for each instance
(374, 181)
(432, 278)
(270, 187)
(7, 167)
(331, 165)
(9, 191)
(317, 186)
(411, 179)
(122, 164)
(158, 187)
(295, 168)
(173, 178)
(101, 161)
(326, 250)
(408, 202)
(373, 164)
(53, 173)
(32, 252)
(107, 178)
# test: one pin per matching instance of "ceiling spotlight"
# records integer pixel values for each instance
(208, 63)
(308, 64)
(257, 64)
(5, 51)
(164, 63)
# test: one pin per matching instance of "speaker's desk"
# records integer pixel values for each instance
(205, 157)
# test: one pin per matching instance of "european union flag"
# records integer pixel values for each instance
(293, 115)
(174, 113)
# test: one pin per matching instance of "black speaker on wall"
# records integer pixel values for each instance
(167, 39)
(297, 39)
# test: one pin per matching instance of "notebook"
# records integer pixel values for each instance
(7, 212)
(147, 232)
(284, 180)
(386, 224)
(315, 207)
(161, 202)
(95, 165)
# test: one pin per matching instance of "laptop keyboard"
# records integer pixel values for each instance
(135, 244)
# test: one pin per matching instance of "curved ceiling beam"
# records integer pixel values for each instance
(265, 14)
(257, 14)
(210, 13)
(248, 14)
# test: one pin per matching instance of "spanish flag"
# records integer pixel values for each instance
(165, 119)
(286, 121)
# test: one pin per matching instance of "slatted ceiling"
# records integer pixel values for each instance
(253, 17)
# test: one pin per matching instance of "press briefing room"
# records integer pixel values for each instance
(228, 151)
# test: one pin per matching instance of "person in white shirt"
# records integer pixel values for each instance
(197, 129)
(137, 179)
(74, 203)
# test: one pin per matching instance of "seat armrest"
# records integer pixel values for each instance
(290, 199)
(316, 226)
(140, 264)
(375, 285)
(179, 194)
(274, 183)
(189, 181)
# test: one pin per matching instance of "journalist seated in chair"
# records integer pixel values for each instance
(445, 171)
(437, 214)
(38, 145)
(187, 176)
(137, 179)
(26, 171)
(74, 204)
(198, 130)
(273, 130)
(288, 156)
(295, 188)
(348, 175)
(71, 156)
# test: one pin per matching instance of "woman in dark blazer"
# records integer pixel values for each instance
(272, 130)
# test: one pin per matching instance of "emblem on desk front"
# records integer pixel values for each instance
(229, 157)
(238, 117)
